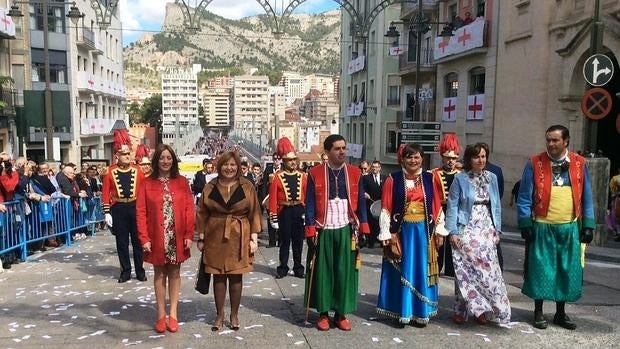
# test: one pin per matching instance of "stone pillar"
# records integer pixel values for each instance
(599, 175)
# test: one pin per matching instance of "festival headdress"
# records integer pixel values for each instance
(122, 142)
(285, 149)
(449, 146)
(142, 151)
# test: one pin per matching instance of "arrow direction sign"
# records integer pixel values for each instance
(598, 70)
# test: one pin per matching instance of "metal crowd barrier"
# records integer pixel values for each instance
(21, 225)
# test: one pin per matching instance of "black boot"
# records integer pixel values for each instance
(562, 320)
(539, 320)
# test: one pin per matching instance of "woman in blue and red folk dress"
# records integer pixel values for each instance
(411, 212)
(165, 218)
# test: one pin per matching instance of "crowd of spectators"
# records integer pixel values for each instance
(27, 183)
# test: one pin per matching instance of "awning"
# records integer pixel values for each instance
(105, 127)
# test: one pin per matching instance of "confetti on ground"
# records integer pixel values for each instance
(299, 342)
(397, 340)
(82, 337)
(480, 334)
(289, 335)
(197, 335)
(285, 299)
(239, 338)
(528, 331)
(157, 336)
(375, 339)
(252, 326)
(453, 334)
(226, 332)
(366, 323)
(486, 339)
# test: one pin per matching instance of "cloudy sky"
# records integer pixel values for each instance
(138, 16)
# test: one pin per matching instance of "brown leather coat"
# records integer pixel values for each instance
(227, 226)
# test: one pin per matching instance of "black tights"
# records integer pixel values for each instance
(559, 306)
(234, 292)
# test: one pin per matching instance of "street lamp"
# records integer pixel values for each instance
(75, 15)
(420, 26)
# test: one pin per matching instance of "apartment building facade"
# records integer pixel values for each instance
(8, 96)
(251, 103)
(216, 107)
(179, 102)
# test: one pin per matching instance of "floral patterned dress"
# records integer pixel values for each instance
(170, 244)
(480, 284)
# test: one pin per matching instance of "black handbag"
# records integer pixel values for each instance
(203, 280)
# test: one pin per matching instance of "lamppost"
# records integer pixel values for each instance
(420, 26)
(75, 15)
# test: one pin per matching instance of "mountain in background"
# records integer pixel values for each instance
(311, 45)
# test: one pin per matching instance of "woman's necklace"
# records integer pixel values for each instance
(228, 186)
(337, 198)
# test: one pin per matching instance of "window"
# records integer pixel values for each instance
(480, 8)
(58, 66)
(55, 17)
(393, 95)
(412, 47)
(476, 81)
(371, 92)
(452, 85)
(373, 43)
(452, 11)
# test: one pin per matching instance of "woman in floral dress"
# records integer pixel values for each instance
(165, 219)
(474, 221)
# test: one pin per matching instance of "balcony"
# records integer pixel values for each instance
(7, 102)
(467, 40)
(409, 9)
(86, 39)
(407, 61)
(90, 83)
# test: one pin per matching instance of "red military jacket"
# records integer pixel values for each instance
(121, 185)
(280, 193)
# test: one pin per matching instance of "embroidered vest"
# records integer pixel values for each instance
(541, 165)
(398, 200)
(319, 175)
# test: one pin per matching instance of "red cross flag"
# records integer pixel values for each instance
(475, 107)
(396, 51)
(449, 109)
(465, 38)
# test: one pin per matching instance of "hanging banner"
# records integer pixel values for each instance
(464, 39)
(475, 107)
(449, 109)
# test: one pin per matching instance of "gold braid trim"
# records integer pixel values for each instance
(411, 288)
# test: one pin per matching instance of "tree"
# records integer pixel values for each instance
(135, 114)
(151, 109)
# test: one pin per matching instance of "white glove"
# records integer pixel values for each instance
(108, 220)
(275, 225)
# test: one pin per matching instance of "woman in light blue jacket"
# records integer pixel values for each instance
(474, 222)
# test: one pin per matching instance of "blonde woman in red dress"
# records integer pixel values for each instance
(165, 218)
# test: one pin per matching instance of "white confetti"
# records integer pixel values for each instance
(528, 331)
(252, 326)
(285, 299)
(46, 337)
(480, 334)
(30, 326)
(83, 337)
(239, 338)
(289, 335)
(486, 339)
(197, 335)
(397, 340)
(375, 339)
(299, 342)
(453, 334)
(157, 336)
(226, 332)
(98, 332)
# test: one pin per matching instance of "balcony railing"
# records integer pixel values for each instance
(92, 83)
(407, 60)
(410, 8)
(8, 99)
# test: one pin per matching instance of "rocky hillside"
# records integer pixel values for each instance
(310, 45)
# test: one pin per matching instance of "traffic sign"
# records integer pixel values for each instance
(423, 126)
(420, 137)
(596, 103)
(598, 70)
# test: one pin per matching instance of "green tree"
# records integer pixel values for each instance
(151, 109)
(135, 114)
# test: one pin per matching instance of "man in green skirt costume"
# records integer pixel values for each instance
(336, 226)
(556, 215)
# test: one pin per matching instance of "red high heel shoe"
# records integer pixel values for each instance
(160, 325)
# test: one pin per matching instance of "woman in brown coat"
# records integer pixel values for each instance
(229, 220)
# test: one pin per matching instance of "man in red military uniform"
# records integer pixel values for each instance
(335, 224)
(286, 208)
(442, 179)
(120, 187)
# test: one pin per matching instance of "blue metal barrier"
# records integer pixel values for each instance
(24, 222)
